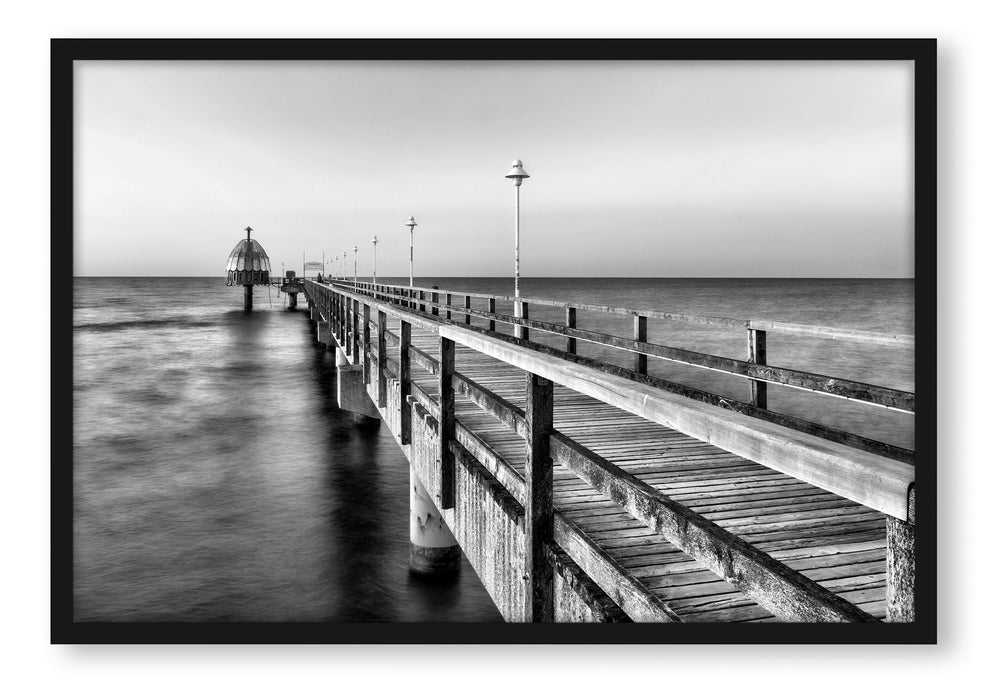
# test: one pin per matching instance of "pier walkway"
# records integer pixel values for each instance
(580, 490)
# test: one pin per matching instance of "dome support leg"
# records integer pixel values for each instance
(248, 296)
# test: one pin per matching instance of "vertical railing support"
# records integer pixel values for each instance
(382, 361)
(524, 313)
(358, 338)
(900, 566)
(422, 301)
(448, 302)
(639, 333)
(491, 310)
(571, 321)
(348, 327)
(467, 306)
(758, 355)
(405, 382)
(539, 499)
(366, 335)
(446, 423)
(434, 298)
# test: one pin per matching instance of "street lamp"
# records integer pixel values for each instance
(411, 224)
(355, 267)
(374, 260)
(518, 174)
(343, 267)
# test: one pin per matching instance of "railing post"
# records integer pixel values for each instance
(467, 305)
(446, 427)
(449, 300)
(405, 382)
(639, 333)
(758, 355)
(382, 362)
(491, 310)
(422, 301)
(571, 321)
(539, 499)
(366, 335)
(348, 326)
(358, 338)
(523, 330)
(434, 298)
(900, 566)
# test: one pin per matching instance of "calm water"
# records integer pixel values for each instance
(215, 479)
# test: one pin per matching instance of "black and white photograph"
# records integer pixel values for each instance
(574, 341)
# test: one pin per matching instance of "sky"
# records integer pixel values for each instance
(637, 169)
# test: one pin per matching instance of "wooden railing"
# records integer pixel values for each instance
(754, 368)
(865, 476)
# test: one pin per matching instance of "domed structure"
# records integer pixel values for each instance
(248, 263)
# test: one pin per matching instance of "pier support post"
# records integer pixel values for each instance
(539, 499)
(382, 361)
(432, 547)
(405, 383)
(366, 337)
(900, 566)
(248, 297)
(293, 300)
(446, 423)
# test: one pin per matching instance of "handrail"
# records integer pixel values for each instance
(861, 392)
(855, 335)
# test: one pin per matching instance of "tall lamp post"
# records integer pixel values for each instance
(355, 267)
(518, 175)
(411, 224)
(374, 260)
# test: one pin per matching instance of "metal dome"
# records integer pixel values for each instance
(248, 264)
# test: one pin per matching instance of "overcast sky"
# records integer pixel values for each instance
(646, 169)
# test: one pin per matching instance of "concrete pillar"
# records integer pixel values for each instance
(292, 300)
(248, 297)
(432, 547)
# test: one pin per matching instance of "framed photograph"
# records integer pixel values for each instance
(484, 341)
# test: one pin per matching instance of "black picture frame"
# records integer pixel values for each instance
(65, 51)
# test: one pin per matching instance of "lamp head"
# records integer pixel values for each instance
(411, 223)
(517, 173)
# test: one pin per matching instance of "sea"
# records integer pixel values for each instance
(216, 480)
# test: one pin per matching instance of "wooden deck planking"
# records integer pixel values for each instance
(832, 540)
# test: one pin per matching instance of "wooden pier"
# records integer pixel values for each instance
(581, 490)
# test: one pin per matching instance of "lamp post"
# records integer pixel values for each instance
(518, 175)
(343, 266)
(411, 224)
(374, 260)
(355, 267)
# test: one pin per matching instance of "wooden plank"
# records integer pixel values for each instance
(539, 499)
(446, 423)
(777, 588)
(635, 599)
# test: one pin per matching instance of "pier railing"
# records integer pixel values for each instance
(475, 306)
(450, 458)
